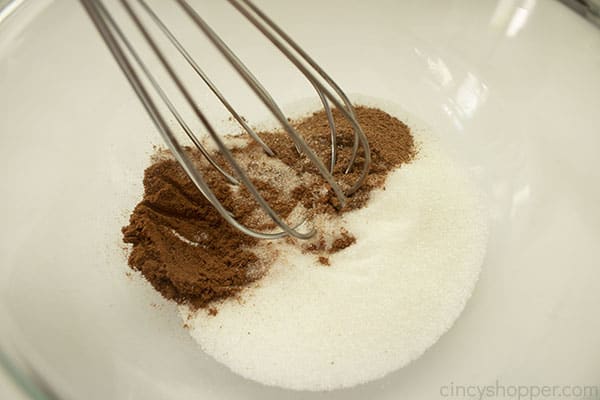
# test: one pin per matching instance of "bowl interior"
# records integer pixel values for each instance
(75, 142)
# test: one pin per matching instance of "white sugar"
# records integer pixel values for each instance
(381, 303)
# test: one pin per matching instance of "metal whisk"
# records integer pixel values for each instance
(128, 58)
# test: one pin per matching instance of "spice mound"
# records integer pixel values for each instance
(191, 255)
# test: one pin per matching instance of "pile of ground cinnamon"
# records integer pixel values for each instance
(187, 251)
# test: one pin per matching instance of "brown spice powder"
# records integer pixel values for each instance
(185, 249)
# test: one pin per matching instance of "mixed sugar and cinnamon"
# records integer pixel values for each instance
(191, 255)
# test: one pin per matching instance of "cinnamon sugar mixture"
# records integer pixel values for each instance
(187, 251)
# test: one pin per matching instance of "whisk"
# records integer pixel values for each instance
(134, 68)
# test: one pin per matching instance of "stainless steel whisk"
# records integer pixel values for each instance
(127, 57)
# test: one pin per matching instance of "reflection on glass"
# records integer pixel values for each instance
(519, 18)
(512, 15)
(470, 94)
(440, 71)
(520, 198)
(464, 97)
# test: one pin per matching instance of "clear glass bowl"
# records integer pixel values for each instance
(512, 88)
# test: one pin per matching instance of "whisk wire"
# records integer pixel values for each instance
(347, 109)
(100, 16)
(264, 95)
(164, 97)
(208, 126)
(124, 53)
(167, 32)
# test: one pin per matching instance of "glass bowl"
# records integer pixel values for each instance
(511, 87)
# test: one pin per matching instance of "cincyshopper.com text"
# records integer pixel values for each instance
(520, 392)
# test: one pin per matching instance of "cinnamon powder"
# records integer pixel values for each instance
(187, 251)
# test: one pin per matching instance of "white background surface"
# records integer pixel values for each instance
(8, 390)
(513, 85)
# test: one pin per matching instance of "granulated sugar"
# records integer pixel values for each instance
(379, 304)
